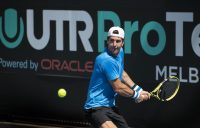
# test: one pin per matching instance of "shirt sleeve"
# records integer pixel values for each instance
(111, 70)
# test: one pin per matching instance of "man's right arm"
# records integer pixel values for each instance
(123, 90)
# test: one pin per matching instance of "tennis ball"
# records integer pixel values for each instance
(62, 93)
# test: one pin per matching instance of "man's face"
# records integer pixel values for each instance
(114, 44)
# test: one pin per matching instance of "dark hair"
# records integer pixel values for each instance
(116, 32)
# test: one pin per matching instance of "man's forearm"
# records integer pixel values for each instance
(127, 80)
(121, 88)
(125, 92)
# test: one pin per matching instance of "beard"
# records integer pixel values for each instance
(114, 50)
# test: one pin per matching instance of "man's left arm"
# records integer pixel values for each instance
(127, 80)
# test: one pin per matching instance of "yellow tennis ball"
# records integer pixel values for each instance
(62, 92)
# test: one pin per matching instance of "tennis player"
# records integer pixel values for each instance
(108, 80)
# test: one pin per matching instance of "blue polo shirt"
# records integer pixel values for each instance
(106, 68)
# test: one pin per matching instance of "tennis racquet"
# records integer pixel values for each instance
(167, 89)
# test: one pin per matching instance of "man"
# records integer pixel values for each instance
(109, 79)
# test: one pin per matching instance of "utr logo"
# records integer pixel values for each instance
(11, 29)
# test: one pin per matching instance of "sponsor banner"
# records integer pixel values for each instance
(160, 41)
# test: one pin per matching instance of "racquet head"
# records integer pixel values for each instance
(167, 89)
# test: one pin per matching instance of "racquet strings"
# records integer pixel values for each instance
(168, 88)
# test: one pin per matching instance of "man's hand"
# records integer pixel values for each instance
(144, 95)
